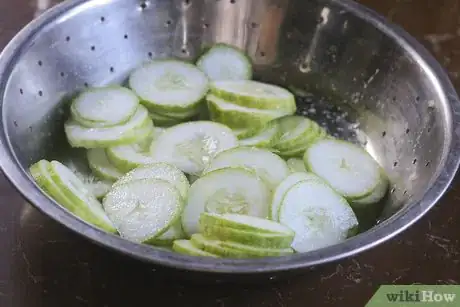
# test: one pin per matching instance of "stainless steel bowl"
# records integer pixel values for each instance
(363, 78)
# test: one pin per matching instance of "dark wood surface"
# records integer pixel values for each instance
(44, 265)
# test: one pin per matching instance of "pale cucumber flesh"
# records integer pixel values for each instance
(283, 187)
(169, 85)
(225, 62)
(144, 209)
(346, 167)
(191, 146)
(104, 107)
(317, 214)
(81, 201)
(266, 164)
(101, 166)
(228, 190)
(159, 170)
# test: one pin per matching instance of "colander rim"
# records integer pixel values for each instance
(399, 222)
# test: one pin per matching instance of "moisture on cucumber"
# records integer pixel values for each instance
(143, 209)
(204, 160)
(191, 146)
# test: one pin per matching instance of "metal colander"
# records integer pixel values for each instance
(362, 78)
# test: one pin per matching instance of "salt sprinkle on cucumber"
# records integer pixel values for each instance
(191, 146)
(159, 170)
(144, 209)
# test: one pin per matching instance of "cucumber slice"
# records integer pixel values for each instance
(174, 232)
(227, 190)
(163, 120)
(104, 107)
(246, 132)
(251, 238)
(41, 175)
(186, 247)
(346, 167)
(377, 194)
(159, 170)
(267, 137)
(256, 252)
(169, 85)
(101, 166)
(137, 128)
(224, 62)
(319, 216)
(296, 131)
(191, 146)
(296, 165)
(128, 157)
(181, 115)
(215, 247)
(144, 209)
(283, 187)
(79, 200)
(267, 165)
(243, 222)
(99, 188)
(238, 117)
(255, 94)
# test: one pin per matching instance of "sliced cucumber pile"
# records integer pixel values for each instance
(246, 105)
(348, 169)
(138, 127)
(202, 160)
(62, 185)
(267, 137)
(225, 62)
(297, 134)
(240, 236)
